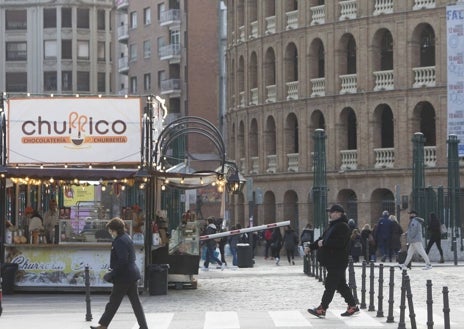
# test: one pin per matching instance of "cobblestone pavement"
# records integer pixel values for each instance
(264, 296)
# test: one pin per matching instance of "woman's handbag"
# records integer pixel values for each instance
(108, 277)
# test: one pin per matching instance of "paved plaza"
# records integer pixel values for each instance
(264, 296)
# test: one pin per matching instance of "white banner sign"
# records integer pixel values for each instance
(74, 130)
(455, 63)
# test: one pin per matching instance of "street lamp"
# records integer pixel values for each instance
(235, 181)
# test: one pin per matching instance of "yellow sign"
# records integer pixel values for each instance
(75, 193)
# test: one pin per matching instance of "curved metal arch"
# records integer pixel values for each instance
(184, 126)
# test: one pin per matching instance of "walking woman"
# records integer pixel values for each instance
(124, 276)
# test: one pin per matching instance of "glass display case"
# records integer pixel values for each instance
(185, 240)
(87, 230)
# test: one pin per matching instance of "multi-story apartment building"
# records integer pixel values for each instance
(56, 47)
(170, 48)
(117, 47)
(370, 73)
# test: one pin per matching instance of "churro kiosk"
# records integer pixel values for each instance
(84, 154)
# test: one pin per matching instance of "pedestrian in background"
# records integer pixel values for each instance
(233, 240)
(355, 245)
(414, 239)
(332, 252)
(267, 239)
(290, 243)
(434, 230)
(397, 231)
(211, 246)
(307, 235)
(383, 235)
(368, 242)
(276, 244)
(124, 276)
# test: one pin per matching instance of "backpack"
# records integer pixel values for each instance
(267, 235)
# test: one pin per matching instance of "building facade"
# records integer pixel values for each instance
(56, 47)
(370, 73)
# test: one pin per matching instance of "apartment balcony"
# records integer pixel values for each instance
(270, 25)
(383, 80)
(171, 87)
(318, 87)
(292, 162)
(348, 10)
(349, 159)
(241, 34)
(170, 17)
(349, 84)
(123, 92)
(423, 4)
(384, 158)
(254, 166)
(242, 165)
(241, 99)
(121, 4)
(382, 7)
(171, 53)
(123, 33)
(292, 90)
(430, 156)
(271, 164)
(318, 15)
(292, 20)
(123, 65)
(253, 30)
(254, 96)
(271, 94)
(424, 76)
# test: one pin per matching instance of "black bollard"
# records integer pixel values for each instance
(429, 305)
(313, 263)
(391, 296)
(88, 314)
(371, 289)
(1, 291)
(316, 270)
(412, 315)
(363, 285)
(352, 280)
(401, 323)
(324, 275)
(446, 308)
(380, 293)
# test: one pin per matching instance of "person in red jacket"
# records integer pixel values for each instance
(332, 252)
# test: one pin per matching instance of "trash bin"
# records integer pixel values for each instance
(9, 271)
(244, 255)
(158, 279)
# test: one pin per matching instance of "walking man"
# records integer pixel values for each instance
(414, 239)
(332, 252)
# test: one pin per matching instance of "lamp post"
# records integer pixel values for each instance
(453, 192)
(320, 180)
(418, 185)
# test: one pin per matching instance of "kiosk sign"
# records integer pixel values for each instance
(74, 130)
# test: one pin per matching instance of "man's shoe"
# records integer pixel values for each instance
(318, 311)
(442, 260)
(98, 327)
(428, 267)
(351, 310)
